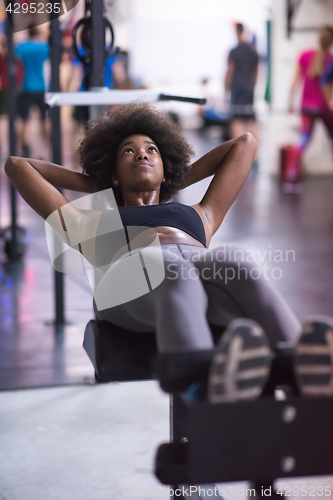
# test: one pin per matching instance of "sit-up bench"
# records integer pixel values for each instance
(257, 441)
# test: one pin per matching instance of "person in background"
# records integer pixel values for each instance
(33, 53)
(3, 18)
(212, 112)
(312, 65)
(239, 83)
(81, 113)
(71, 70)
(71, 73)
(327, 85)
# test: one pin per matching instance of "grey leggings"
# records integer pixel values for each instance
(203, 287)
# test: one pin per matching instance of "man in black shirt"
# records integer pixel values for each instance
(239, 82)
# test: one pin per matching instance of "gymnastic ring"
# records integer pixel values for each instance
(86, 39)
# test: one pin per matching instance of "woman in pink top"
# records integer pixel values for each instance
(311, 66)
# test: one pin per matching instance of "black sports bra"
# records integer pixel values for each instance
(171, 214)
(111, 236)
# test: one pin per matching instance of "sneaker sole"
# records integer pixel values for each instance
(241, 366)
(313, 362)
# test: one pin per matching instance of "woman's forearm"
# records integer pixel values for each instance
(209, 164)
(59, 177)
(37, 182)
(40, 194)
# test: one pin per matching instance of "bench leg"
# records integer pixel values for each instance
(178, 434)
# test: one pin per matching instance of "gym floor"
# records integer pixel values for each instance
(65, 438)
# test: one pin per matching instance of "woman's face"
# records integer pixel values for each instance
(139, 164)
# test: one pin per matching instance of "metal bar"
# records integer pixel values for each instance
(113, 97)
(292, 7)
(98, 43)
(194, 100)
(56, 149)
(98, 61)
(99, 98)
(11, 101)
(172, 424)
(11, 107)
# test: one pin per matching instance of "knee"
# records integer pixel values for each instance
(232, 253)
(238, 263)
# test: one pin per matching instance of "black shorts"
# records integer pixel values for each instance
(28, 99)
(241, 104)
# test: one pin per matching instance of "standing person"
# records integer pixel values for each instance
(327, 85)
(240, 80)
(311, 67)
(34, 52)
(114, 76)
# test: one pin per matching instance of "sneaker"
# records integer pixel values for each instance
(313, 361)
(241, 365)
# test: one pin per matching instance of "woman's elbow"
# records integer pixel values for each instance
(249, 137)
(10, 164)
(248, 140)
